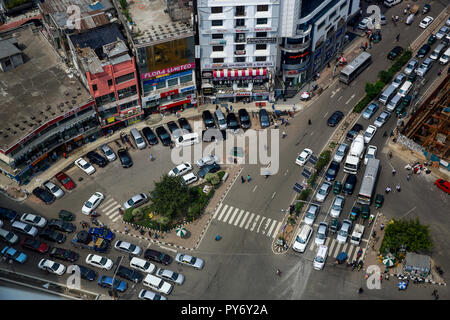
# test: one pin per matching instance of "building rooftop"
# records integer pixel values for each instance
(37, 91)
(8, 48)
(97, 38)
(159, 21)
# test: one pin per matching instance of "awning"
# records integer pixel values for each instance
(240, 72)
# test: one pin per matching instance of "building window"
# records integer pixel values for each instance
(161, 85)
(261, 21)
(185, 79)
(261, 58)
(261, 46)
(240, 11)
(217, 23)
(240, 22)
(216, 9)
(239, 59)
(240, 47)
(217, 35)
(321, 25)
(110, 82)
(94, 87)
(261, 34)
(217, 48)
(218, 60)
(107, 98)
(172, 82)
(124, 78)
(240, 37)
(262, 7)
(127, 92)
(128, 105)
(332, 15)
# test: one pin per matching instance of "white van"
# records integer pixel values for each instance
(406, 87)
(321, 257)
(221, 120)
(302, 239)
(445, 57)
(437, 51)
(189, 178)
(387, 94)
(157, 284)
(138, 139)
(409, 20)
(394, 102)
(187, 139)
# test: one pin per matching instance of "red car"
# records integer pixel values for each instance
(65, 180)
(35, 245)
(443, 185)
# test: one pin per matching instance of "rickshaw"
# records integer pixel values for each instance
(337, 187)
(334, 226)
(354, 214)
(365, 211)
(379, 199)
(66, 215)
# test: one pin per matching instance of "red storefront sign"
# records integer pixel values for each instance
(153, 74)
(168, 93)
(175, 104)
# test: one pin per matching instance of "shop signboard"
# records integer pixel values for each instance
(261, 40)
(39, 159)
(156, 73)
(207, 74)
(168, 93)
(187, 89)
(208, 91)
(260, 64)
(243, 94)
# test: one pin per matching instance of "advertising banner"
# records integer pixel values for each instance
(156, 73)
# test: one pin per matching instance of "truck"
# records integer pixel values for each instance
(86, 241)
(354, 155)
(357, 234)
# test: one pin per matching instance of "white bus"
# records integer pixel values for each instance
(369, 182)
(351, 71)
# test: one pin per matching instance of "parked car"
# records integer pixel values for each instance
(340, 153)
(332, 171)
(125, 158)
(129, 274)
(394, 53)
(128, 247)
(370, 110)
(209, 168)
(303, 156)
(34, 220)
(443, 185)
(66, 215)
(24, 228)
(363, 24)
(189, 178)
(337, 206)
(335, 118)
(423, 51)
(180, 169)
(108, 152)
(188, 260)
(85, 166)
(150, 295)
(184, 124)
(424, 67)
(412, 77)
(163, 135)
(208, 119)
(102, 232)
(150, 136)
(107, 282)
(426, 22)
(232, 122)
(61, 225)
(8, 236)
(87, 273)
(142, 265)
(382, 119)
(157, 256)
(97, 159)
(344, 231)
(370, 154)
(411, 66)
(349, 184)
(99, 261)
(369, 133)
(174, 129)
(207, 160)
(11, 253)
(311, 214)
(7, 214)
(64, 254)
(44, 195)
(264, 118)
(399, 79)
(35, 245)
(244, 118)
(353, 132)
(51, 235)
(323, 191)
(54, 189)
(65, 180)
(136, 201)
(171, 276)
(322, 232)
(93, 202)
(52, 266)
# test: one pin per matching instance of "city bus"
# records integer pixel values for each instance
(369, 182)
(351, 71)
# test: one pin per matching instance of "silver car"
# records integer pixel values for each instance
(150, 295)
(341, 152)
(336, 207)
(136, 201)
(128, 247)
(424, 67)
(171, 276)
(399, 79)
(186, 259)
(207, 160)
(323, 191)
(382, 118)
(107, 151)
(311, 214)
(344, 231)
(54, 189)
(412, 65)
(321, 234)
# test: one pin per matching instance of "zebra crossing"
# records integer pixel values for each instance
(110, 208)
(335, 247)
(247, 220)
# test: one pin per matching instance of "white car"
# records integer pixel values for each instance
(142, 265)
(311, 214)
(150, 295)
(180, 169)
(370, 132)
(323, 191)
(54, 189)
(442, 32)
(34, 220)
(52, 266)
(337, 206)
(370, 154)
(399, 79)
(363, 24)
(340, 152)
(136, 201)
(382, 118)
(426, 22)
(303, 157)
(99, 261)
(85, 166)
(344, 231)
(92, 203)
(171, 276)
(127, 247)
(411, 66)
(186, 259)
(321, 234)
(424, 67)
(207, 160)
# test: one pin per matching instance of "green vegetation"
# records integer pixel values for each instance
(126, 13)
(10, 4)
(303, 196)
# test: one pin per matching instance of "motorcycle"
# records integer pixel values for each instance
(371, 218)
(94, 214)
(360, 264)
(354, 264)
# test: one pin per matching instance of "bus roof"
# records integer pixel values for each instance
(370, 176)
(356, 62)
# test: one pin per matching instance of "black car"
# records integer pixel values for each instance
(335, 118)
(423, 51)
(244, 119)
(125, 158)
(96, 158)
(209, 168)
(332, 171)
(353, 132)
(44, 195)
(87, 273)
(129, 274)
(172, 125)
(208, 119)
(394, 53)
(157, 256)
(64, 254)
(61, 225)
(264, 118)
(184, 124)
(51, 235)
(412, 77)
(150, 136)
(349, 184)
(163, 135)
(232, 122)
(213, 135)
(7, 214)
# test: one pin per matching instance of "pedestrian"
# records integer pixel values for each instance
(408, 177)
(398, 187)
(397, 37)
(370, 44)
(126, 229)
(388, 189)
(393, 172)
(366, 44)
(309, 122)
(382, 226)
(283, 134)
(231, 108)
(360, 290)
(242, 179)
(248, 178)
(276, 124)
(273, 106)
(434, 292)
(226, 109)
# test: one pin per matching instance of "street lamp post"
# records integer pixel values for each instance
(114, 276)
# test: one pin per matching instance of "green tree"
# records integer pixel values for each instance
(212, 178)
(170, 198)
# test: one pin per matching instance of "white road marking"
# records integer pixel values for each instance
(115, 219)
(166, 248)
(112, 211)
(255, 222)
(353, 95)
(271, 228)
(340, 98)
(267, 224)
(238, 217)
(325, 114)
(344, 247)
(243, 219)
(234, 214)
(260, 223)
(337, 251)
(332, 246)
(228, 214)
(273, 196)
(223, 211)
(249, 220)
(311, 247)
(276, 230)
(255, 188)
(108, 206)
(286, 172)
(217, 211)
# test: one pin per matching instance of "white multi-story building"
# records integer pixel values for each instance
(238, 49)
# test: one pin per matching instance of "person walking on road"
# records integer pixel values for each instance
(388, 189)
(397, 37)
(382, 226)
(242, 179)
(248, 178)
(393, 172)
(309, 122)
(398, 187)
(408, 177)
